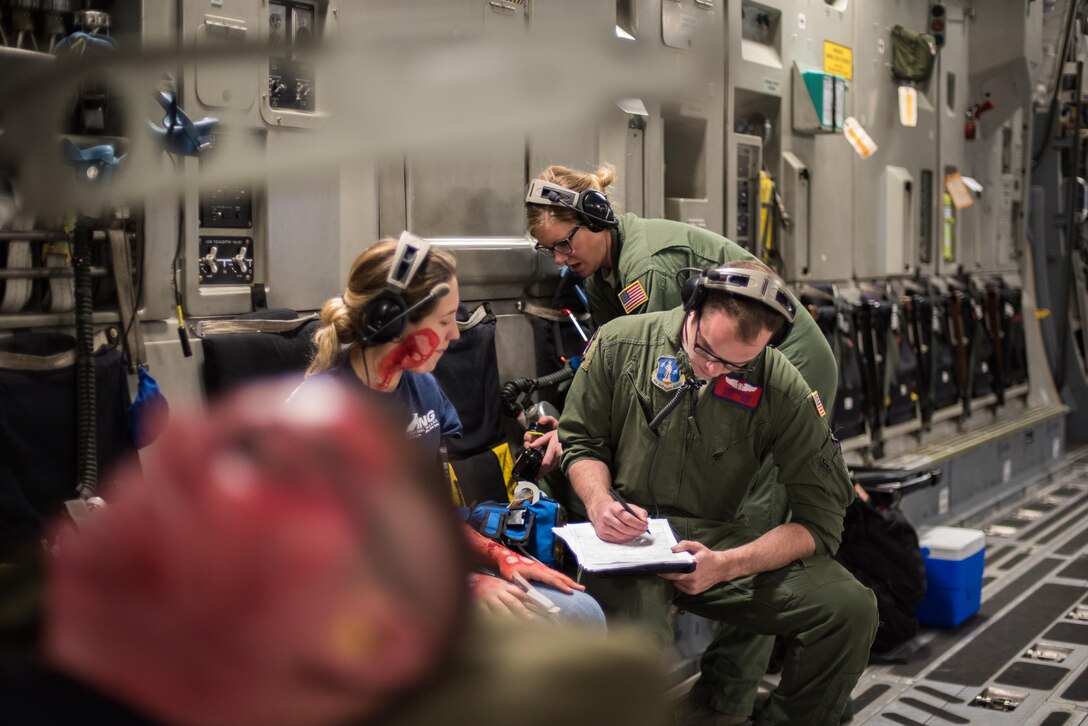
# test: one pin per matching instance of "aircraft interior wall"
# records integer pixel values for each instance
(318, 152)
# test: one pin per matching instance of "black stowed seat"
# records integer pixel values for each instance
(469, 376)
(253, 346)
(39, 453)
(836, 322)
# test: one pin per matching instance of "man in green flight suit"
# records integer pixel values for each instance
(632, 266)
(696, 468)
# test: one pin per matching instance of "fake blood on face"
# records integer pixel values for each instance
(412, 352)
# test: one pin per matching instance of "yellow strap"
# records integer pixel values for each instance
(505, 459)
(766, 200)
(58, 248)
(455, 491)
(506, 464)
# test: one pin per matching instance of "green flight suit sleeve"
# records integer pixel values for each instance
(585, 426)
(811, 468)
(808, 350)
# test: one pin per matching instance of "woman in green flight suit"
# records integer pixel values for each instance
(631, 265)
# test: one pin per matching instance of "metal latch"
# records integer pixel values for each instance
(505, 6)
(1052, 653)
(998, 699)
(1001, 530)
(224, 26)
(1080, 612)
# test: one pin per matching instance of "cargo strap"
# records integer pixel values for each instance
(482, 311)
(29, 362)
(218, 327)
(555, 316)
(121, 256)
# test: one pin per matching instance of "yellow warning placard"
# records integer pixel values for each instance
(838, 60)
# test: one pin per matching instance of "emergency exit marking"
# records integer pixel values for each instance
(942, 501)
(880, 46)
(1056, 449)
(802, 21)
(1006, 471)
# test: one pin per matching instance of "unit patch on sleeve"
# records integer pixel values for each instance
(632, 297)
(738, 390)
(591, 348)
(818, 403)
(667, 375)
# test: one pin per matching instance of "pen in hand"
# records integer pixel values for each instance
(627, 508)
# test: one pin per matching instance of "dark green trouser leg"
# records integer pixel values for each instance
(643, 601)
(830, 619)
(731, 669)
(735, 660)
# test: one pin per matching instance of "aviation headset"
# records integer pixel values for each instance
(591, 206)
(759, 285)
(385, 316)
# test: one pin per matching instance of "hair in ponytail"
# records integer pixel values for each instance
(577, 181)
(343, 317)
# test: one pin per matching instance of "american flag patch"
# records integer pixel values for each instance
(818, 403)
(632, 296)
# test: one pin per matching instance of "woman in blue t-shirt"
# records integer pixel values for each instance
(391, 351)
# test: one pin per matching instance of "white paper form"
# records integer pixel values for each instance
(596, 555)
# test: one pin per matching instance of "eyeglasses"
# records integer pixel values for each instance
(562, 246)
(704, 353)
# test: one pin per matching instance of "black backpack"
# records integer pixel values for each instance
(880, 548)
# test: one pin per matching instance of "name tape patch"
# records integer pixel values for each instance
(739, 391)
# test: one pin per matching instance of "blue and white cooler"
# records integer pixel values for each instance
(954, 559)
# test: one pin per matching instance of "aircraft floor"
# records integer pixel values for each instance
(1023, 659)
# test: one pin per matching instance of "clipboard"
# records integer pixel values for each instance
(664, 567)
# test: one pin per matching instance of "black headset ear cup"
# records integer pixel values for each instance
(692, 292)
(782, 335)
(594, 211)
(380, 324)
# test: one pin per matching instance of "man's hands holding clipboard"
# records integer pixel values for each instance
(708, 569)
